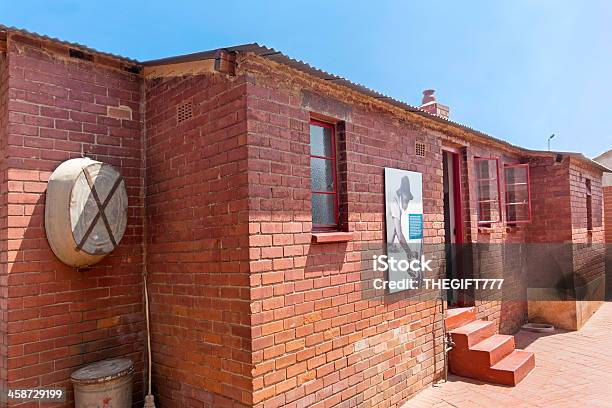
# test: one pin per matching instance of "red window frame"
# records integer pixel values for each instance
(478, 199)
(328, 227)
(589, 204)
(526, 166)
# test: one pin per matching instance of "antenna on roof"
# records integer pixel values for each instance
(549, 138)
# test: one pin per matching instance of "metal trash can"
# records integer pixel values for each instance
(107, 384)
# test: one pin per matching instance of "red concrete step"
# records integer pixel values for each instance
(509, 371)
(481, 354)
(493, 349)
(476, 361)
(471, 333)
(513, 368)
(459, 316)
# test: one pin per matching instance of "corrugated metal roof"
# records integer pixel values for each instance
(575, 155)
(81, 47)
(302, 66)
(279, 57)
(604, 155)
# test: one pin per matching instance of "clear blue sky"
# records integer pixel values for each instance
(519, 70)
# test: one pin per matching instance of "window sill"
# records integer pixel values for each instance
(518, 226)
(486, 230)
(330, 237)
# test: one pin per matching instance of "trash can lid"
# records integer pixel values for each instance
(102, 371)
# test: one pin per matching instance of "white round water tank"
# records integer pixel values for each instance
(85, 211)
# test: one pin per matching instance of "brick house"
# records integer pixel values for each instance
(251, 306)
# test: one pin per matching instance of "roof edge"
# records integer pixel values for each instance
(574, 155)
(202, 55)
(604, 154)
(68, 44)
(306, 68)
(278, 57)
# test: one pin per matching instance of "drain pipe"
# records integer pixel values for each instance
(149, 401)
(447, 341)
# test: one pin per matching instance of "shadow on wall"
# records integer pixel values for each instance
(324, 261)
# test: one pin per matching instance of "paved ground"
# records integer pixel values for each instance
(573, 369)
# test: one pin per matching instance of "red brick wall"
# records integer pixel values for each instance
(60, 318)
(607, 194)
(3, 222)
(607, 197)
(315, 338)
(197, 253)
(589, 250)
(491, 257)
(244, 309)
(578, 176)
(550, 201)
(318, 340)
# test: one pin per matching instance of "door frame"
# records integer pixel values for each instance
(458, 208)
(455, 154)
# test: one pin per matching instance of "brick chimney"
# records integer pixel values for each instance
(429, 104)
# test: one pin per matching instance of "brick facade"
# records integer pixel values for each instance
(606, 181)
(335, 326)
(607, 191)
(246, 311)
(198, 242)
(588, 245)
(316, 340)
(3, 222)
(550, 201)
(58, 318)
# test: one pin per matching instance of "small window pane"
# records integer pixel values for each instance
(487, 190)
(589, 206)
(320, 141)
(516, 179)
(323, 212)
(518, 193)
(517, 212)
(486, 169)
(321, 174)
(487, 211)
(516, 175)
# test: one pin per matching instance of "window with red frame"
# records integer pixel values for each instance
(518, 193)
(323, 176)
(487, 178)
(589, 205)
